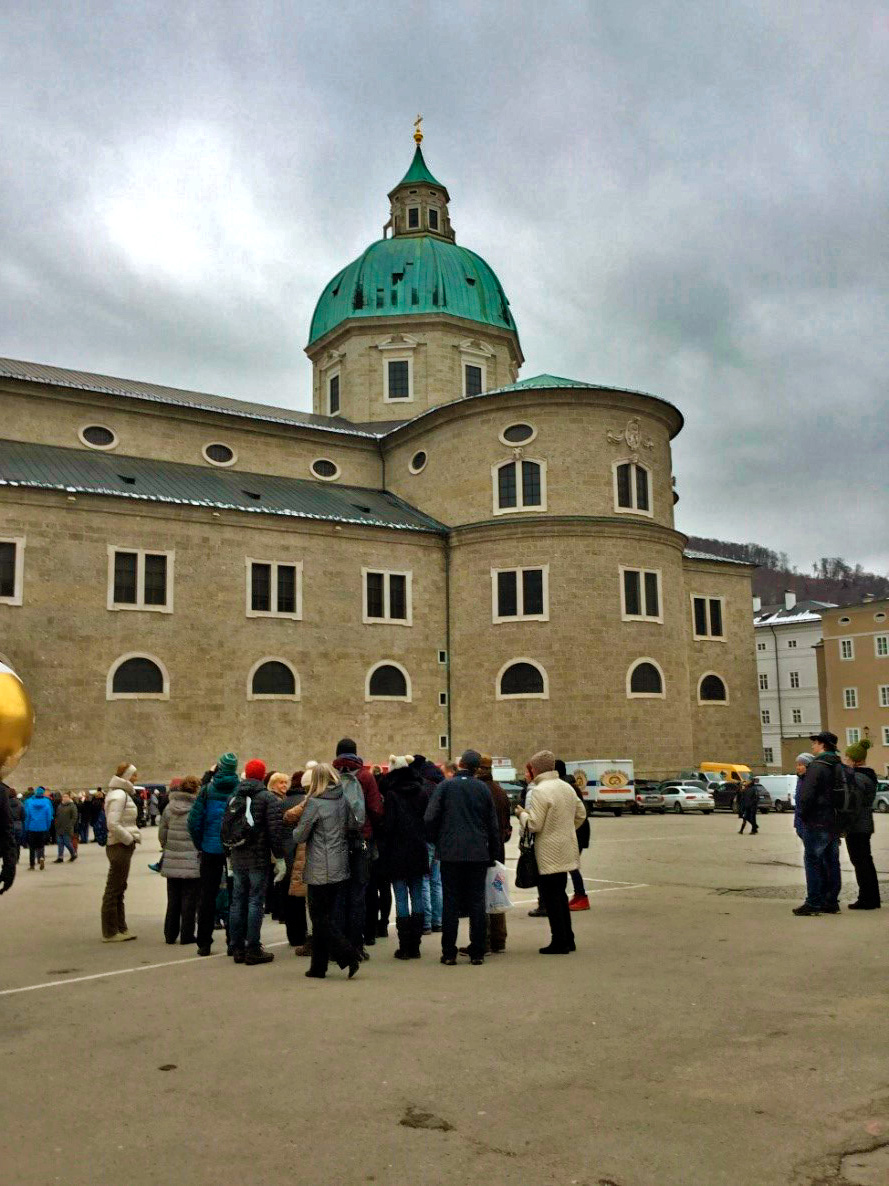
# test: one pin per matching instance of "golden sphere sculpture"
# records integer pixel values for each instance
(16, 720)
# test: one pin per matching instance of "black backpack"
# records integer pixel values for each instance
(238, 825)
(847, 797)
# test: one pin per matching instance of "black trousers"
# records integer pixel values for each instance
(555, 902)
(463, 892)
(182, 905)
(749, 817)
(328, 939)
(295, 920)
(858, 848)
(212, 866)
(378, 901)
(352, 905)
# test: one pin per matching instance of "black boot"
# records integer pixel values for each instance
(404, 927)
(417, 922)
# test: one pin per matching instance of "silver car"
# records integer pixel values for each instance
(686, 796)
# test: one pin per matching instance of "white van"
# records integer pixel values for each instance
(782, 788)
(611, 784)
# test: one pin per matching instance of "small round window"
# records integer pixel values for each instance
(881, 617)
(97, 436)
(418, 462)
(518, 434)
(845, 621)
(325, 469)
(219, 454)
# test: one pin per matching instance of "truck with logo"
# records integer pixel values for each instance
(610, 783)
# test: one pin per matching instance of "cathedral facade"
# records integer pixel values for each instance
(440, 554)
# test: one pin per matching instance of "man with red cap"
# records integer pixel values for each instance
(252, 833)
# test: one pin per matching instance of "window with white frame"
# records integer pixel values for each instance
(522, 679)
(853, 735)
(632, 487)
(796, 716)
(139, 579)
(760, 646)
(883, 694)
(387, 680)
(850, 697)
(847, 648)
(763, 683)
(712, 689)
(137, 677)
(791, 644)
(12, 569)
(886, 735)
(273, 679)
(640, 592)
(473, 378)
(519, 486)
(432, 216)
(881, 645)
(645, 678)
(413, 217)
(794, 679)
(387, 596)
(333, 394)
(707, 617)
(769, 755)
(766, 717)
(520, 594)
(274, 589)
(399, 379)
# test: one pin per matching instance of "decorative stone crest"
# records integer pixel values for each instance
(632, 436)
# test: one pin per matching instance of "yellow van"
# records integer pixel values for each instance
(726, 771)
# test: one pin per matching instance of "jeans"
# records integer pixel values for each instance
(463, 885)
(247, 908)
(858, 848)
(182, 904)
(432, 892)
(114, 919)
(577, 882)
(821, 859)
(555, 902)
(63, 842)
(212, 868)
(36, 846)
(408, 897)
(328, 939)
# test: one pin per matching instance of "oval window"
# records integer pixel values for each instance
(418, 462)
(845, 621)
(325, 469)
(219, 454)
(518, 434)
(879, 617)
(97, 436)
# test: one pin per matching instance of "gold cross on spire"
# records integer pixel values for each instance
(418, 131)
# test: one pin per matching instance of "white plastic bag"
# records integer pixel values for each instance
(497, 892)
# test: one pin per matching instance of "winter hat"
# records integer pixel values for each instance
(397, 763)
(470, 759)
(255, 770)
(306, 780)
(227, 764)
(804, 759)
(543, 762)
(858, 750)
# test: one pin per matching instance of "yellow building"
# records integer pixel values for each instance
(853, 676)
(439, 555)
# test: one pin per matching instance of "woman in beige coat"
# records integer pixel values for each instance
(123, 835)
(554, 814)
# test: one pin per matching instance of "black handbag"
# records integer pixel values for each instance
(527, 874)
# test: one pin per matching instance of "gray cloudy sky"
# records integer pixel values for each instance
(686, 198)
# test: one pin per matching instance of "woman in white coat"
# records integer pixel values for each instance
(123, 836)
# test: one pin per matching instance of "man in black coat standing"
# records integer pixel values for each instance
(817, 828)
(462, 823)
(748, 802)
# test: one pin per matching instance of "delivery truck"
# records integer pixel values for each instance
(610, 783)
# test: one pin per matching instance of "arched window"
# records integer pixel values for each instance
(519, 486)
(137, 677)
(712, 689)
(522, 679)
(645, 678)
(387, 681)
(272, 679)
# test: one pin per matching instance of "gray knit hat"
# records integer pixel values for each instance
(804, 759)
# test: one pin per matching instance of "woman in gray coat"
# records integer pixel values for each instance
(325, 823)
(182, 863)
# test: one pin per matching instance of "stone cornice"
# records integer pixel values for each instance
(536, 526)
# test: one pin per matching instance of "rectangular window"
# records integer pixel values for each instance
(443, 699)
(766, 717)
(433, 220)
(11, 570)
(791, 644)
(884, 695)
(763, 683)
(850, 697)
(852, 735)
(531, 493)
(387, 596)
(881, 646)
(443, 741)
(794, 679)
(760, 646)
(847, 648)
(413, 216)
(274, 589)
(797, 715)
(641, 594)
(631, 487)
(333, 395)
(769, 754)
(399, 386)
(707, 614)
(886, 735)
(519, 489)
(641, 488)
(520, 594)
(506, 486)
(139, 579)
(624, 493)
(442, 657)
(473, 379)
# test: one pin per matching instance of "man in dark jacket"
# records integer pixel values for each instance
(365, 876)
(15, 811)
(748, 802)
(9, 853)
(205, 828)
(817, 828)
(859, 830)
(462, 824)
(250, 863)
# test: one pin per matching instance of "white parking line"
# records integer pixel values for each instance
(611, 890)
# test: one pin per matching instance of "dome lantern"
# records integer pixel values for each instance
(418, 205)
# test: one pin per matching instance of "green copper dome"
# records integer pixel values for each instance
(413, 274)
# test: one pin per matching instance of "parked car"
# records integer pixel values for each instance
(686, 796)
(513, 791)
(725, 794)
(782, 789)
(648, 798)
(881, 802)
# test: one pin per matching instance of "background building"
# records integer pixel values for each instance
(853, 664)
(787, 673)
(438, 556)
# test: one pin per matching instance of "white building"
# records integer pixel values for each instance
(789, 704)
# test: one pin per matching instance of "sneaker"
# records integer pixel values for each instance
(204, 950)
(74, 858)
(806, 911)
(120, 937)
(58, 861)
(155, 868)
(257, 955)
(238, 955)
(477, 961)
(577, 903)
(834, 909)
(127, 935)
(537, 912)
